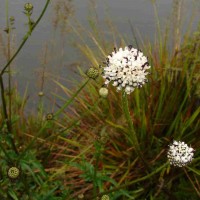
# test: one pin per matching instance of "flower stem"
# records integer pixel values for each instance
(25, 38)
(6, 118)
(97, 159)
(132, 132)
(72, 98)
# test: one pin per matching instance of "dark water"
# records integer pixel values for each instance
(31, 61)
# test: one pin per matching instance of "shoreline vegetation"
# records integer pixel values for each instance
(127, 128)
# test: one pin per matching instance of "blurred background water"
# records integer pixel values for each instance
(49, 45)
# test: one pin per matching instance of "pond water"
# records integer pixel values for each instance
(31, 61)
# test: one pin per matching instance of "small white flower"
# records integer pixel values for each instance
(126, 68)
(180, 154)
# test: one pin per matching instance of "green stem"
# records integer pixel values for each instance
(4, 104)
(88, 111)
(72, 98)
(132, 132)
(8, 58)
(8, 122)
(25, 38)
(97, 158)
(29, 23)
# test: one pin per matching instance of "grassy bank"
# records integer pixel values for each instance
(116, 147)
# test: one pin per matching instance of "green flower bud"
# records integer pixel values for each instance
(92, 73)
(12, 18)
(49, 116)
(28, 7)
(13, 172)
(104, 137)
(80, 196)
(105, 197)
(40, 94)
(103, 92)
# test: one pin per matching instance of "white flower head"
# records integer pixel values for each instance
(126, 68)
(180, 154)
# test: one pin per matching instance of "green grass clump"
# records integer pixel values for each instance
(167, 108)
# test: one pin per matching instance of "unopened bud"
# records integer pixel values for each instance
(103, 92)
(13, 172)
(105, 197)
(49, 116)
(40, 94)
(28, 7)
(92, 73)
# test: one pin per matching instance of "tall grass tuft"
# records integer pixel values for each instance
(166, 109)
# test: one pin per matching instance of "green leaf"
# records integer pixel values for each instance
(196, 171)
(12, 194)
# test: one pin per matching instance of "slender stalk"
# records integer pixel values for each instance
(25, 38)
(6, 117)
(196, 189)
(89, 110)
(8, 58)
(177, 23)
(44, 126)
(72, 98)
(132, 132)
(4, 104)
(97, 145)
(7, 113)
(155, 7)
(8, 122)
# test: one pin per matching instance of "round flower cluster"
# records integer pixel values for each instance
(179, 154)
(105, 197)
(49, 116)
(28, 7)
(13, 172)
(92, 73)
(126, 68)
(81, 196)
